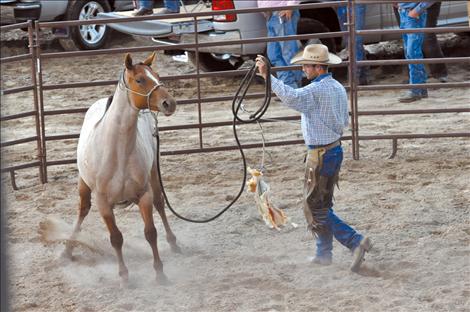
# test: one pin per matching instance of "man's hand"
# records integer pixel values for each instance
(413, 14)
(287, 14)
(261, 63)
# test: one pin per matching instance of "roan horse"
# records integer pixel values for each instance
(117, 158)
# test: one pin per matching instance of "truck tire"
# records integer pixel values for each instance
(313, 26)
(209, 62)
(86, 37)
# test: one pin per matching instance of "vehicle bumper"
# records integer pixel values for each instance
(26, 11)
(208, 37)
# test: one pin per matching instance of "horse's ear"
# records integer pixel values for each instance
(128, 61)
(150, 59)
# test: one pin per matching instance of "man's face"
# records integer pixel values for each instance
(311, 71)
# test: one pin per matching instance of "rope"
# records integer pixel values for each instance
(236, 105)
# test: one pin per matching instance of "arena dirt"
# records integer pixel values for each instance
(415, 208)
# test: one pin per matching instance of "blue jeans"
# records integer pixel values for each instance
(280, 53)
(360, 11)
(412, 45)
(172, 5)
(338, 229)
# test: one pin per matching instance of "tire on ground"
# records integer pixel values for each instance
(209, 62)
(313, 26)
(75, 41)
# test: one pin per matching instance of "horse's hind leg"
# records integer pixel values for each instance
(146, 210)
(106, 211)
(159, 203)
(84, 207)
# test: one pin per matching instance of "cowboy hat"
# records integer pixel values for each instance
(315, 54)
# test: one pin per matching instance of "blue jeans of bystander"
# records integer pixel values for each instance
(280, 53)
(172, 5)
(360, 11)
(412, 45)
(146, 4)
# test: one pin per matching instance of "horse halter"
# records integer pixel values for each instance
(122, 84)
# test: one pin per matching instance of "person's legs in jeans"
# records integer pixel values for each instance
(172, 5)
(289, 49)
(343, 233)
(431, 47)
(280, 53)
(145, 4)
(273, 49)
(360, 51)
(346, 235)
(412, 44)
(324, 244)
(360, 11)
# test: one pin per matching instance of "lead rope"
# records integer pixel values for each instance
(246, 81)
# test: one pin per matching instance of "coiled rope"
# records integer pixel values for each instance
(237, 105)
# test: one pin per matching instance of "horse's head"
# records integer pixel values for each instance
(146, 90)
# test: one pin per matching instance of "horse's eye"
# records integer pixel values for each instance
(139, 81)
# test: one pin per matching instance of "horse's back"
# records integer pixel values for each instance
(92, 117)
(89, 142)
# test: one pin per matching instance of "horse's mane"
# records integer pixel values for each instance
(108, 104)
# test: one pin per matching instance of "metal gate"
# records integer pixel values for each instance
(36, 56)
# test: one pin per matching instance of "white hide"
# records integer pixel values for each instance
(111, 157)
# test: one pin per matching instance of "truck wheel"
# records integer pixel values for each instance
(86, 37)
(313, 26)
(210, 62)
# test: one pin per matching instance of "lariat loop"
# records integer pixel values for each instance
(238, 99)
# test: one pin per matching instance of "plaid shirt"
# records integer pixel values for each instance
(323, 105)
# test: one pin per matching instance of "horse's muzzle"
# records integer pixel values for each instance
(168, 107)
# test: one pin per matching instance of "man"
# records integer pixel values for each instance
(360, 12)
(282, 23)
(431, 47)
(323, 105)
(413, 15)
(145, 7)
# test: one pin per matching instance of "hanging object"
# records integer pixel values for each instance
(272, 216)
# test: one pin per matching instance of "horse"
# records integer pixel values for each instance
(117, 158)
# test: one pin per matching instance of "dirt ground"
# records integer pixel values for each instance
(415, 208)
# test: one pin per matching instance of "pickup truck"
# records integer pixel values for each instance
(86, 37)
(252, 25)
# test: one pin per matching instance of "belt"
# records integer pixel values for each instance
(326, 146)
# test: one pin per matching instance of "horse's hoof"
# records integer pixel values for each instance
(66, 254)
(124, 283)
(176, 249)
(162, 279)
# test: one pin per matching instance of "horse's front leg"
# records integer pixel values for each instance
(159, 202)
(106, 211)
(146, 210)
(83, 209)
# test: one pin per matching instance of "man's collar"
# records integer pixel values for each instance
(321, 77)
